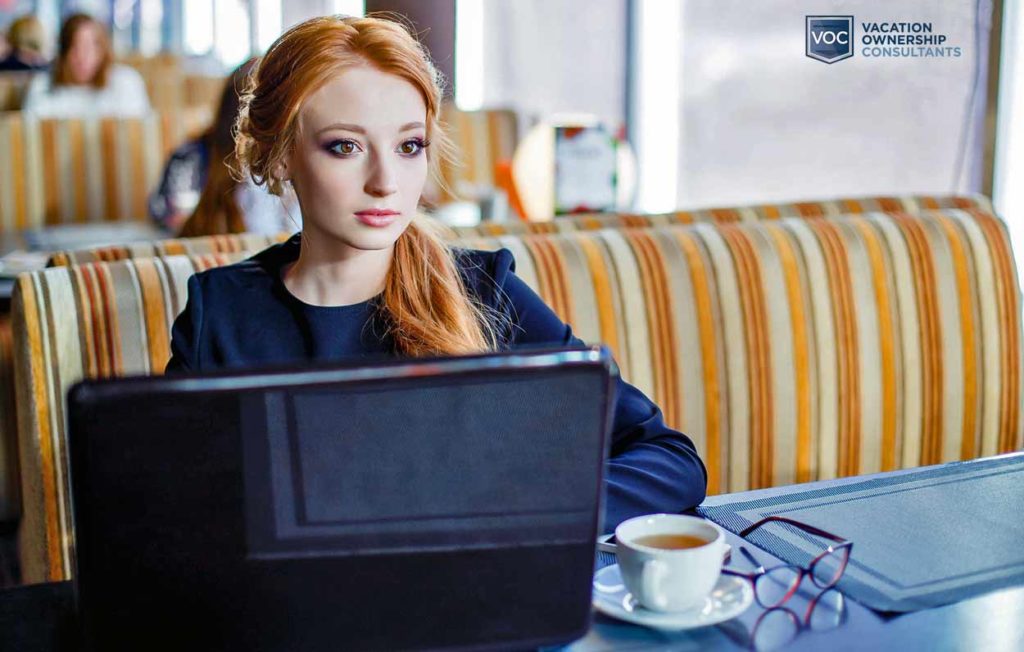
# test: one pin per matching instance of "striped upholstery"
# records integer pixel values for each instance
(482, 139)
(56, 171)
(213, 244)
(12, 89)
(790, 350)
(98, 320)
(808, 209)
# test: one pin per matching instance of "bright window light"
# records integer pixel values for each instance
(231, 23)
(1008, 192)
(656, 103)
(151, 34)
(349, 7)
(469, 54)
(268, 23)
(198, 19)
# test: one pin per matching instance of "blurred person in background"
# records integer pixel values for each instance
(199, 194)
(27, 39)
(84, 81)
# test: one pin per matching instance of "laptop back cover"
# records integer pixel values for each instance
(430, 504)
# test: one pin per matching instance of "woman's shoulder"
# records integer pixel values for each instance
(479, 266)
(256, 273)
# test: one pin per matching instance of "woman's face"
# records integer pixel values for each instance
(86, 53)
(359, 163)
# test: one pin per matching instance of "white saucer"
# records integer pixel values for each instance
(730, 597)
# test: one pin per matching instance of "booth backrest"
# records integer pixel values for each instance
(789, 350)
(724, 215)
(56, 171)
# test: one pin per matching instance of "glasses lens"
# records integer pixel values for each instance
(828, 610)
(772, 588)
(829, 568)
(774, 629)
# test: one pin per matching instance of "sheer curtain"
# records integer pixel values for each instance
(759, 121)
(542, 57)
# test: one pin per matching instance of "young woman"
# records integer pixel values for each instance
(84, 81)
(345, 111)
(199, 194)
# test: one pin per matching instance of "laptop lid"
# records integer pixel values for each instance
(406, 505)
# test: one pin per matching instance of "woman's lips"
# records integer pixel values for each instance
(376, 218)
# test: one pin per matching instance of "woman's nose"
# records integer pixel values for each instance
(382, 180)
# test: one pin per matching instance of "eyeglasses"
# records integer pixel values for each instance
(773, 586)
(777, 627)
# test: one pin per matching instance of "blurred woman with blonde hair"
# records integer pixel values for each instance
(345, 111)
(85, 81)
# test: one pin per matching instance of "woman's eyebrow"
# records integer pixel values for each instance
(360, 130)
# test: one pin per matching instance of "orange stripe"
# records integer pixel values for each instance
(108, 147)
(707, 328)
(836, 263)
(137, 142)
(660, 326)
(809, 209)
(559, 280)
(887, 338)
(603, 293)
(801, 351)
(852, 206)
(890, 204)
(546, 289)
(1009, 326)
(95, 356)
(922, 265)
(725, 215)
(154, 313)
(37, 376)
(106, 291)
(17, 127)
(51, 173)
(78, 165)
(968, 445)
(761, 411)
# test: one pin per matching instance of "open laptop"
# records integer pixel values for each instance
(416, 504)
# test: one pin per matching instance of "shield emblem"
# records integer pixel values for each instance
(829, 38)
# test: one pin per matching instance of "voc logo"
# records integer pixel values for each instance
(829, 38)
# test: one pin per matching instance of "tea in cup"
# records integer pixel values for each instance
(669, 562)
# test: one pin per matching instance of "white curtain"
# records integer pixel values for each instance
(552, 56)
(760, 121)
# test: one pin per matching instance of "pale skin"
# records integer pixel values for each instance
(86, 53)
(360, 146)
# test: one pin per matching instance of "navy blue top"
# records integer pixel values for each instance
(242, 315)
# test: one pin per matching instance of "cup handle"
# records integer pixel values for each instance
(652, 578)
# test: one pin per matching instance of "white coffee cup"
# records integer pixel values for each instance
(669, 579)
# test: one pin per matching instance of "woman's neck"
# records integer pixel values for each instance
(329, 273)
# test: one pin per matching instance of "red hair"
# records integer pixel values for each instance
(425, 301)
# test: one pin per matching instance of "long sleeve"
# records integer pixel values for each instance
(652, 468)
(186, 332)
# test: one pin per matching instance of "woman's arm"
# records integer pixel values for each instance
(186, 331)
(652, 468)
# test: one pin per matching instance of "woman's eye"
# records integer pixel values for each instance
(343, 147)
(412, 147)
